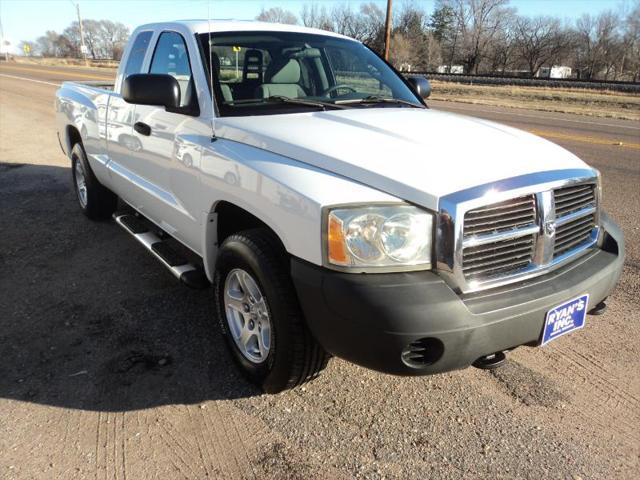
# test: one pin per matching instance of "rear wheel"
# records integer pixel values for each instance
(96, 201)
(259, 314)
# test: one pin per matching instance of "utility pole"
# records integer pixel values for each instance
(83, 47)
(387, 31)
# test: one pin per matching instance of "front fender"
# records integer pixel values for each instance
(285, 194)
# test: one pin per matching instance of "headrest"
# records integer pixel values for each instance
(252, 69)
(288, 73)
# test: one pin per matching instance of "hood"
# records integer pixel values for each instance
(417, 155)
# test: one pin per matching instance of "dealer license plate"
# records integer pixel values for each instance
(565, 318)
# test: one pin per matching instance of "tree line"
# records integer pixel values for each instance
(486, 37)
(468, 36)
(104, 39)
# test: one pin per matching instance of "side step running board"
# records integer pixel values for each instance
(189, 274)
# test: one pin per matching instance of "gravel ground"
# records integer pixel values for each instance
(111, 369)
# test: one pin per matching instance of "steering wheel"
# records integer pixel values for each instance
(338, 87)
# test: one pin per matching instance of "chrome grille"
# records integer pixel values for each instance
(488, 253)
(572, 199)
(572, 234)
(541, 228)
(498, 257)
(501, 216)
(575, 216)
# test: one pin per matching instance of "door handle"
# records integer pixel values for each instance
(142, 128)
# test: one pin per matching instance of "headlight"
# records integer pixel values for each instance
(379, 237)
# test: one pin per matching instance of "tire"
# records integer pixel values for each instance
(96, 201)
(294, 356)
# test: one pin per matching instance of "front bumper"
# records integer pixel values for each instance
(370, 319)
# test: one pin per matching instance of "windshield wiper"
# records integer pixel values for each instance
(301, 101)
(372, 99)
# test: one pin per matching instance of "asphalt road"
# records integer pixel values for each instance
(109, 369)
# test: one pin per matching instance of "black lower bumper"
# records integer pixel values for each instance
(381, 321)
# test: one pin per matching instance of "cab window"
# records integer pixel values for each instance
(172, 58)
(137, 53)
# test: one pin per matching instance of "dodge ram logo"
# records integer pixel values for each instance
(550, 228)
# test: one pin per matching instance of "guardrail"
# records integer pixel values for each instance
(612, 85)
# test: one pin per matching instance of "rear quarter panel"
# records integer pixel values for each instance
(84, 108)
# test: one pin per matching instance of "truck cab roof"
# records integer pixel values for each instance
(198, 26)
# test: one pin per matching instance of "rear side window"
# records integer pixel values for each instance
(138, 51)
(172, 58)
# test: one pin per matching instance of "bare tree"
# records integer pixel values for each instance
(478, 22)
(47, 44)
(277, 15)
(539, 41)
(372, 18)
(631, 43)
(502, 53)
(315, 16)
(598, 44)
(346, 21)
(365, 24)
(113, 37)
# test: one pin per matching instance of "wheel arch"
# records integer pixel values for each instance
(72, 136)
(223, 220)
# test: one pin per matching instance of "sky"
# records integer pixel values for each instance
(28, 19)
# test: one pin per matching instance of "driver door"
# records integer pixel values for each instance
(168, 159)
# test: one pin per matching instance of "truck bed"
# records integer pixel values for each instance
(95, 84)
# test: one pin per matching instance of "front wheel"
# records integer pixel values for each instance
(96, 201)
(259, 314)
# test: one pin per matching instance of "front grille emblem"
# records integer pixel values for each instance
(550, 228)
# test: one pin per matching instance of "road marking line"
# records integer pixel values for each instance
(29, 79)
(584, 139)
(61, 72)
(541, 117)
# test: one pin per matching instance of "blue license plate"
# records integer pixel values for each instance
(565, 318)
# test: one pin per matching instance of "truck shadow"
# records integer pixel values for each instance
(88, 319)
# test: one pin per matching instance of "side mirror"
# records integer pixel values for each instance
(152, 89)
(420, 85)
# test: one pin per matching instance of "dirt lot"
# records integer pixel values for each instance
(109, 369)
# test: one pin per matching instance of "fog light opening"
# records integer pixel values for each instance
(422, 352)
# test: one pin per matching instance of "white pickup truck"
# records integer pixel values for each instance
(331, 209)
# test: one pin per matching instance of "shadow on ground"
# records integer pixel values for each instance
(88, 319)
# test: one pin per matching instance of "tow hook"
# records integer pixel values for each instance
(599, 309)
(490, 362)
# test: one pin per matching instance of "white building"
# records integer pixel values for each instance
(450, 69)
(556, 71)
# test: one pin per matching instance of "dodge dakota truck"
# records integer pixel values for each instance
(332, 212)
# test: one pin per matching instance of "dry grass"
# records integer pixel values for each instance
(67, 62)
(594, 103)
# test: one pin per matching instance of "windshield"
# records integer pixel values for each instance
(280, 72)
